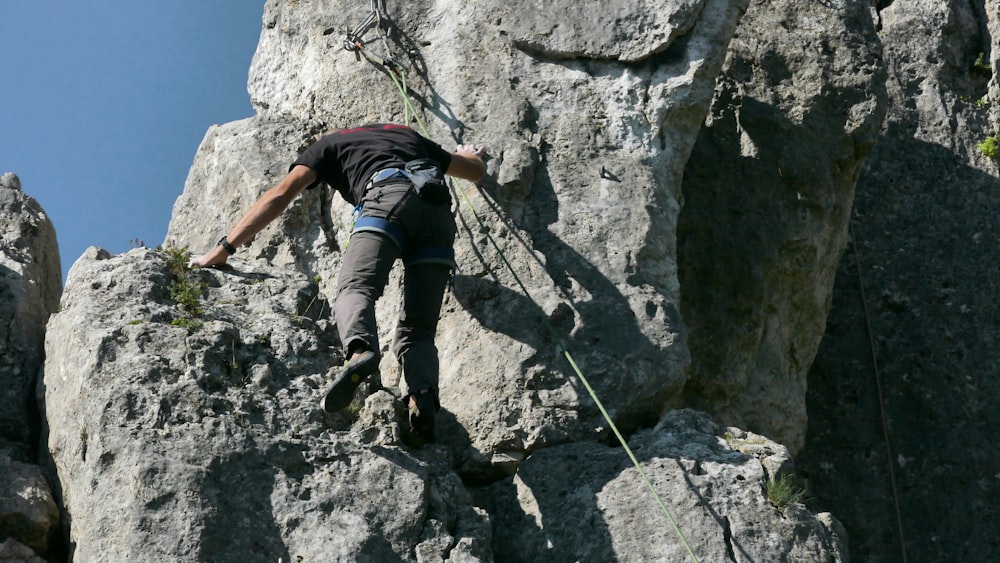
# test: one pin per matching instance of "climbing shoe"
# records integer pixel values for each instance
(356, 370)
(423, 406)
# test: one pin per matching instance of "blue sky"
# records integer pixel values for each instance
(103, 104)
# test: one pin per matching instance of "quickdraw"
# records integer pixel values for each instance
(354, 40)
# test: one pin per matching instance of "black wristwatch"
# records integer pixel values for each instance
(225, 244)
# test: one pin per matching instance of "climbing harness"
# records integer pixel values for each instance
(353, 43)
(425, 178)
(380, 176)
(878, 387)
(386, 174)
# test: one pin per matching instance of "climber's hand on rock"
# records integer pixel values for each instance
(467, 163)
(214, 257)
(471, 150)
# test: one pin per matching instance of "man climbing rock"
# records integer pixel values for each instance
(395, 178)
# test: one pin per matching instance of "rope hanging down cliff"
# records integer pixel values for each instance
(878, 387)
(353, 42)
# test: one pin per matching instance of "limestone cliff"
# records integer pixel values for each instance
(674, 183)
(767, 196)
(30, 286)
(211, 430)
(206, 443)
(585, 183)
(29, 270)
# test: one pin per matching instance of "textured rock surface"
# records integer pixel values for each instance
(926, 239)
(13, 551)
(30, 285)
(170, 443)
(28, 513)
(234, 163)
(196, 435)
(29, 291)
(587, 502)
(768, 193)
(572, 124)
(166, 441)
(571, 30)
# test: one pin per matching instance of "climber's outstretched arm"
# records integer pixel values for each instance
(267, 208)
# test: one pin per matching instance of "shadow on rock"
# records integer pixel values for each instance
(925, 234)
(575, 502)
(237, 493)
(632, 373)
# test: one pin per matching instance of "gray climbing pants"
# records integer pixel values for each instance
(397, 224)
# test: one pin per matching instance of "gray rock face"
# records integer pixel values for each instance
(169, 442)
(234, 164)
(589, 146)
(198, 430)
(198, 435)
(925, 249)
(586, 502)
(768, 193)
(30, 283)
(13, 551)
(599, 30)
(28, 513)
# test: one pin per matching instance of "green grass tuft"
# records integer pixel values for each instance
(784, 491)
(990, 147)
(185, 289)
(981, 66)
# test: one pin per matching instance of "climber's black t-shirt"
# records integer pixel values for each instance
(347, 159)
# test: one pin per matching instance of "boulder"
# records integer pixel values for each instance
(586, 502)
(28, 512)
(172, 434)
(30, 284)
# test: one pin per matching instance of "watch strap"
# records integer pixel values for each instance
(227, 246)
